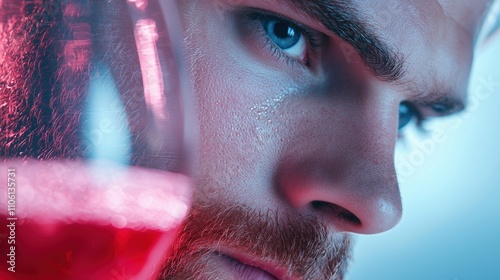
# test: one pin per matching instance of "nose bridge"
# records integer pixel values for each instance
(367, 183)
(354, 172)
(372, 132)
(365, 132)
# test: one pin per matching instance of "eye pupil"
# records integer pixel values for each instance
(282, 33)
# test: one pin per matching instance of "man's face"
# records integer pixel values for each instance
(300, 105)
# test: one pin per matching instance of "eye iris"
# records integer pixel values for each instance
(282, 34)
(283, 31)
(405, 115)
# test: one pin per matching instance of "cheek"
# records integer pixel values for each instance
(236, 104)
(240, 107)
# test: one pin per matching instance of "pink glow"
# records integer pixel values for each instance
(72, 10)
(152, 76)
(131, 197)
(78, 52)
(140, 4)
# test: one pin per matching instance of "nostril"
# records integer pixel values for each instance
(337, 212)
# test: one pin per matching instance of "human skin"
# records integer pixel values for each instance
(294, 160)
(290, 147)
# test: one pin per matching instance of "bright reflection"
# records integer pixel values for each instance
(146, 37)
(105, 130)
(140, 4)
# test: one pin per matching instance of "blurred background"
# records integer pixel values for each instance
(450, 186)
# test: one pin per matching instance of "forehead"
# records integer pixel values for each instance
(467, 14)
(435, 37)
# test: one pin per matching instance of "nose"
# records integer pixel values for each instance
(340, 164)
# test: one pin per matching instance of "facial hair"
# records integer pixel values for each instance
(302, 245)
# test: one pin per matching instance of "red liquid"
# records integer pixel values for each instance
(75, 220)
(82, 251)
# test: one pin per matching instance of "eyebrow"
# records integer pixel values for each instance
(388, 65)
(340, 18)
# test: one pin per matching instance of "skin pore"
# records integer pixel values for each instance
(308, 138)
(298, 115)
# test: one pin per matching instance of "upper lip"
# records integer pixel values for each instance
(269, 266)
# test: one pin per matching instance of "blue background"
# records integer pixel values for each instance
(450, 228)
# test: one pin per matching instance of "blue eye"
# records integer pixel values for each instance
(283, 34)
(286, 36)
(406, 114)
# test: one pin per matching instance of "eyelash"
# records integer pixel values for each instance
(419, 121)
(315, 40)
